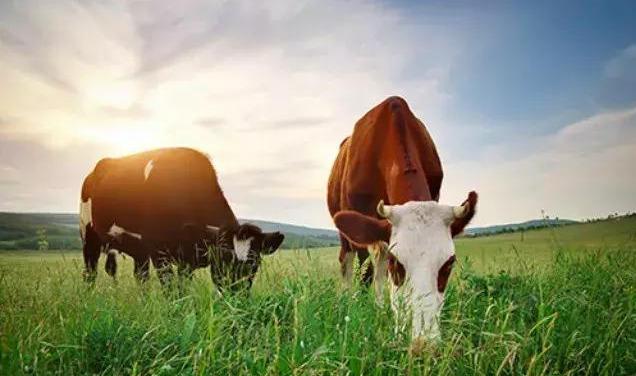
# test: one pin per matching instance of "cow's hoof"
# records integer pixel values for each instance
(89, 277)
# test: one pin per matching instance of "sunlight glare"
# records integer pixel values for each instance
(118, 95)
(123, 140)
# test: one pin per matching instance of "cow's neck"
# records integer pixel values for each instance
(223, 210)
(410, 186)
(404, 176)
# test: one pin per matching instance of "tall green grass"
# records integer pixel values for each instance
(572, 315)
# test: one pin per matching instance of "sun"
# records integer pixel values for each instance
(125, 138)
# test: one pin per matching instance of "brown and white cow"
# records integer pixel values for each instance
(166, 205)
(382, 194)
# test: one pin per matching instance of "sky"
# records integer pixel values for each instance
(531, 104)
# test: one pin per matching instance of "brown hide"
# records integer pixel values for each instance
(162, 206)
(181, 188)
(390, 156)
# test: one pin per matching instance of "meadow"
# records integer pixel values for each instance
(543, 302)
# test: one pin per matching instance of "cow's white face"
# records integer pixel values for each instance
(421, 241)
(421, 250)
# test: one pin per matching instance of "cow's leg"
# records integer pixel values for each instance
(346, 267)
(346, 258)
(142, 269)
(164, 269)
(380, 261)
(92, 248)
(184, 271)
(367, 272)
(111, 263)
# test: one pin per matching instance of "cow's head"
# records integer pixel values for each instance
(421, 249)
(233, 252)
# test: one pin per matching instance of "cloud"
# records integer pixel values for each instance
(583, 170)
(257, 86)
(622, 65)
(619, 79)
(8, 175)
(42, 179)
(210, 122)
(269, 90)
(295, 123)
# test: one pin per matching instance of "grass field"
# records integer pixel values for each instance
(552, 302)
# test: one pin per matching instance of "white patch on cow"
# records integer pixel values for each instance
(85, 217)
(242, 248)
(116, 232)
(422, 242)
(148, 168)
(112, 252)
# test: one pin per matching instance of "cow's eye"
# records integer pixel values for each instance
(444, 273)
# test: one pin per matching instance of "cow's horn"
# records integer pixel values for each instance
(383, 211)
(460, 211)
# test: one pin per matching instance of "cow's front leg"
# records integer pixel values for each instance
(164, 269)
(184, 271)
(91, 249)
(142, 269)
(379, 251)
(111, 263)
(345, 258)
(366, 269)
(346, 266)
(184, 274)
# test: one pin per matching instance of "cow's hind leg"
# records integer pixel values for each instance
(91, 249)
(142, 269)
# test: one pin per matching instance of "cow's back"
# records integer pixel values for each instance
(154, 193)
(390, 156)
(336, 184)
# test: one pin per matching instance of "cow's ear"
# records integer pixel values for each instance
(247, 230)
(361, 229)
(271, 242)
(459, 223)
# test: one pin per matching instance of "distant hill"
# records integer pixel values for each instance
(512, 227)
(60, 231)
(39, 230)
(294, 229)
(299, 236)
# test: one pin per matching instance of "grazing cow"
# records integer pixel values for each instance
(166, 205)
(383, 189)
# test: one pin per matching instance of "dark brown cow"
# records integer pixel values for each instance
(390, 158)
(166, 205)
